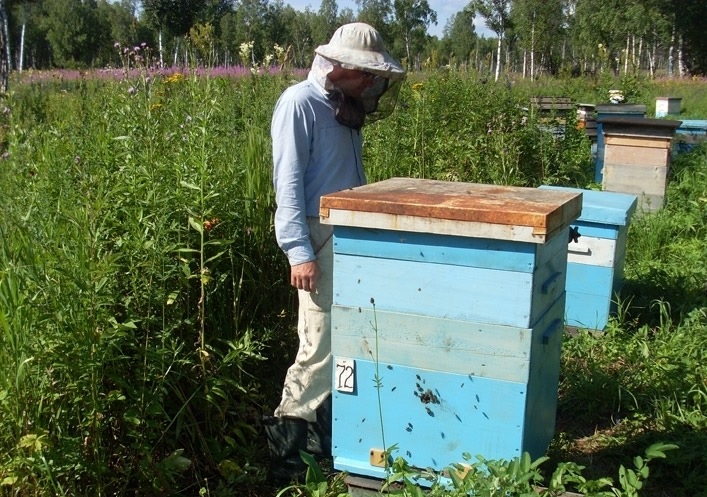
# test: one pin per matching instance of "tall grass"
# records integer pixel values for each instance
(145, 316)
(139, 282)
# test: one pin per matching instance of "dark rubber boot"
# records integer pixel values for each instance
(319, 432)
(286, 436)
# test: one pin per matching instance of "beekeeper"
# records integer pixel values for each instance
(317, 141)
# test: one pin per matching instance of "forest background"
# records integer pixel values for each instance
(532, 37)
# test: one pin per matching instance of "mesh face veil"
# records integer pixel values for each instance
(360, 47)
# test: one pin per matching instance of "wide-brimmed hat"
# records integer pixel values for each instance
(360, 46)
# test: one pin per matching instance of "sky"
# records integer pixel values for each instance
(444, 9)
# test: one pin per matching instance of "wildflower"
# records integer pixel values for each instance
(175, 78)
(418, 87)
(116, 44)
(209, 224)
(154, 107)
(77, 159)
(245, 50)
(143, 44)
(131, 90)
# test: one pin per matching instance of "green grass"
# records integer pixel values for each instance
(146, 321)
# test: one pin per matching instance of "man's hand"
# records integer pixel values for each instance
(304, 276)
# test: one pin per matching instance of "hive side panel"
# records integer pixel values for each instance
(638, 180)
(453, 292)
(543, 380)
(435, 344)
(432, 418)
(440, 249)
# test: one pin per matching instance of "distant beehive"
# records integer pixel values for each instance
(596, 255)
(610, 110)
(637, 158)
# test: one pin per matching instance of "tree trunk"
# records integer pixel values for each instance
(682, 71)
(160, 49)
(498, 58)
(20, 63)
(532, 52)
(670, 52)
(4, 50)
(628, 46)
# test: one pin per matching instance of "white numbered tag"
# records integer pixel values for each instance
(345, 375)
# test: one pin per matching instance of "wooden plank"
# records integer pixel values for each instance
(453, 292)
(587, 311)
(592, 251)
(441, 249)
(635, 179)
(597, 230)
(383, 221)
(690, 138)
(650, 203)
(647, 202)
(552, 103)
(631, 155)
(554, 250)
(541, 407)
(590, 280)
(514, 207)
(635, 141)
(536, 100)
(435, 344)
(432, 417)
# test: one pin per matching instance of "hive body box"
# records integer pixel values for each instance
(637, 158)
(611, 110)
(447, 320)
(667, 106)
(595, 262)
(689, 135)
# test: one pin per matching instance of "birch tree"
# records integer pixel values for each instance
(496, 13)
(4, 49)
(412, 17)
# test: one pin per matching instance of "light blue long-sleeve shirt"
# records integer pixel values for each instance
(313, 155)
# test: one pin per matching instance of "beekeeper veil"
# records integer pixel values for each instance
(360, 47)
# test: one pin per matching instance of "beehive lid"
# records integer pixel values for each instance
(621, 109)
(642, 128)
(608, 208)
(693, 124)
(451, 208)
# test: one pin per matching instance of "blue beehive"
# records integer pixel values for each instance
(447, 320)
(595, 262)
(690, 134)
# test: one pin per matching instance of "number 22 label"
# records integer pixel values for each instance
(345, 375)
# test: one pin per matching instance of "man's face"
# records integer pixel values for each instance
(351, 82)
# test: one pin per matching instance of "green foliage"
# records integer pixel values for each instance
(452, 127)
(141, 290)
(132, 282)
(316, 483)
(519, 477)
